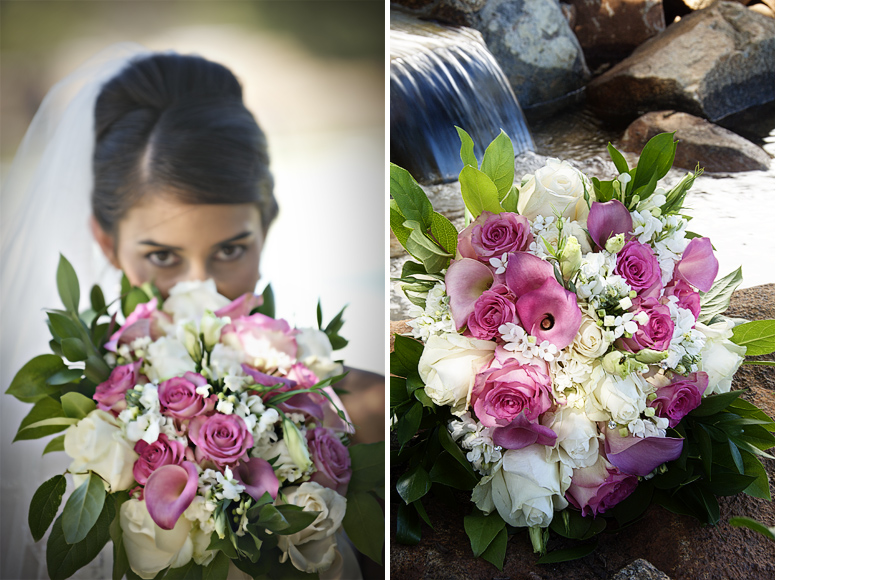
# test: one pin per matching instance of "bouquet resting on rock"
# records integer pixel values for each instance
(201, 431)
(569, 363)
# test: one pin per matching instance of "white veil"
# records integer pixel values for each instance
(44, 211)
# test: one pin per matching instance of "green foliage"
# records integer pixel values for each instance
(718, 298)
(757, 336)
(83, 508)
(756, 526)
(333, 328)
(44, 505)
(64, 558)
(267, 308)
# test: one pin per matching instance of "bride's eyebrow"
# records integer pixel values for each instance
(233, 239)
(156, 245)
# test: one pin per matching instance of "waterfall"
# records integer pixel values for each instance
(441, 76)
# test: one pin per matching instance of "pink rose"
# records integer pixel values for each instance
(494, 308)
(222, 439)
(687, 297)
(637, 263)
(331, 459)
(491, 235)
(656, 333)
(161, 452)
(596, 489)
(505, 390)
(302, 376)
(676, 400)
(179, 399)
(137, 325)
(267, 343)
(111, 395)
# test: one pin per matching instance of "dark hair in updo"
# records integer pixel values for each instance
(177, 123)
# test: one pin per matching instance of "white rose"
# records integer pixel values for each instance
(189, 300)
(589, 342)
(314, 549)
(96, 443)
(448, 366)
(167, 358)
(525, 489)
(614, 397)
(720, 358)
(200, 539)
(315, 351)
(556, 189)
(576, 437)
(150, 548)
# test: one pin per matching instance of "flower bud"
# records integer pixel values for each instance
(296, 445)
(614, 363)
(190, 339)
(615, 244)
(571, 257)
(650, 356)
(211, 326)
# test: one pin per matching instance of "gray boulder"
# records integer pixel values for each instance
(713, 63)
(716, 149)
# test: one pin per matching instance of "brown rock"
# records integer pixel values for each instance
(716, 149)
(675, 545)
(712, 63)
(640, 569)
(609, 30)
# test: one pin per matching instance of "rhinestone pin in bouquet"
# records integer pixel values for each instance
(569, 363)
(201, 431)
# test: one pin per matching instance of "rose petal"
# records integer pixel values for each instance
(258, 477)
(241, 306)
(550, 313)
(169, 491)
(698, 265)
(607, 219)
(639, 455)
(464, 282)
(522, 433)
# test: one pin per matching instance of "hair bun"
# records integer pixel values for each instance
(155, 83)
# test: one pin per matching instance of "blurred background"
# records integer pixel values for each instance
(313, 76)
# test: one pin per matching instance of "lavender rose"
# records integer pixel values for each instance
(505, 390)
(111, 394)
(687, 297)
(655, 333)
(491, 235)
(676, 400)
(638, 265)
(179, 399)
(494, 308)
(596, 489)
(221, 439)
(162, 452)
(331, 459)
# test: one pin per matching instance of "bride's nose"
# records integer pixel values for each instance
(197, 270)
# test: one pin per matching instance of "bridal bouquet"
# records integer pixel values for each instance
(201, 431)
(569, 363)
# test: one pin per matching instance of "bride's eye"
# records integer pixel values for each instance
(230, 253)
(163, 258)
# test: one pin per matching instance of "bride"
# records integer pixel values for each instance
(180, 189)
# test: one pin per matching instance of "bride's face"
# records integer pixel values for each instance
(165, 241)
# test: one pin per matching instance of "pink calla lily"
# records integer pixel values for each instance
(465, 281)
(639, 455)
(521, 433)
(607, 219)
(169, 491)
(241, 306)
(525, 273)
(698, 265)
(258, 477)
(550, 313)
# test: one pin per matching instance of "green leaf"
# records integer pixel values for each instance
(33, 426)
(98, 301)
(76, 405)
(218, 568)
(466, 150)
(63, 325)
(285, 519)
(496, 551)
(409, 530)
(120, 565)
(567, 554)
(712, 404)
(405, 356)
(63, 558)
(135, 297)
(367, 466)
(413, 484)
(478, 191)
(74, 349)
(410, 197)
(571, 524)
(453, 449)
(190, 571)
(418, 244)
(31, 381)
(719, 297)
(618, 160)
(55, 444)
(65, 377)
(396, 224)
(498, 163)
(706, 448)
(96, 369)
(509, 201)
(655, 161)
(44, 505)
(363, 511)
(482, 529)
(83, 508)
(446, 472)
(409, 423)
(758, 337)
(68, 286)
(267, 308)
(756, 526)
(444, 233)
(728, 483)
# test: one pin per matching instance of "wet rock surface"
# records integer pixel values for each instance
(715, 148)
(679, 547)
(713, 63)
